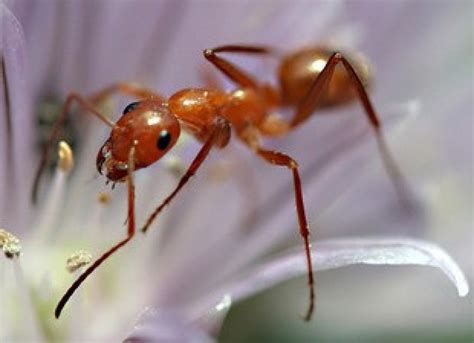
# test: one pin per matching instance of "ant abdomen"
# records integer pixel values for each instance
(298, 71)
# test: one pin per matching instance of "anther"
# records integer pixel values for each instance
(103, 198)
(10, 244)
(77, 260)
(66, 157)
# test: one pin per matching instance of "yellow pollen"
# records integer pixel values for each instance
(103, 198)
(77, 260)
(66, 157)
(10, 244)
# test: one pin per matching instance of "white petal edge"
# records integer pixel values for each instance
(338, 253)
(166, 326)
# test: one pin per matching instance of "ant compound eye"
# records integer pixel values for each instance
(130, 107)
(164, 140)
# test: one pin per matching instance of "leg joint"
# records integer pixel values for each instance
(208, 53)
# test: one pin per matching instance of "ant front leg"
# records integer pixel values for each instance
(124, 88)
(234, 73)
(130, 233)
(220, 133)
(85, 105)
(310, 101)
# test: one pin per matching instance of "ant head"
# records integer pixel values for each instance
(150, 127)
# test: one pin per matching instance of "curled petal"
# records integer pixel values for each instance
(339, 253)
(338, 165)
(213, 319)
(159, 325)
(165, 326)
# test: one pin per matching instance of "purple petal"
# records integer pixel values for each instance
(339, 253)
(329, 181)
(15, 121)
(332, 172)
(163, 326)
(213, 319)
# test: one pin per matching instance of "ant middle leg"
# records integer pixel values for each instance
(251, 137)
(280, 159)
(130, 233)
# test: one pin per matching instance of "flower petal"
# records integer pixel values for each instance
(163, 326)
(327, 176)
(213, 319)
(339, 253)
(15, 121)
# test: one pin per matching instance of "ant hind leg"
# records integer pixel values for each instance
(234, 73)
(308, 105)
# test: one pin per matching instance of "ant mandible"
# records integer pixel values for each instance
(150, 127)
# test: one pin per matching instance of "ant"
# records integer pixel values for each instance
(149, 128)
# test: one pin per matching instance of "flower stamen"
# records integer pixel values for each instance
(78, 260)
(66, 157)
(10, 244)
(51, 209)
(103, 198)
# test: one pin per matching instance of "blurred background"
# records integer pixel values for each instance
(422, 54)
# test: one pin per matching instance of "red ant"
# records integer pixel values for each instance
(150, 127)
